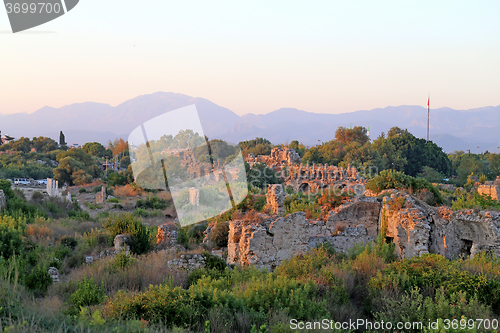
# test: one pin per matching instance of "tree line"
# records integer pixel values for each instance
(397, 150)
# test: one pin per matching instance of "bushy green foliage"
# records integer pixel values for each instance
(390, 179)
(117, 178)
(121, 260)
(413, 306)
(11, 232)
(69, 241)
(253, 202)
(258, 146)
(219, 234)
(152, 202)
(176, 306)
(434, 271)
(129, 225)
(214, 262)
(87, 294)
(79, 215)
(302, 203)
(38, 280)
(96, 189)
(474, 201)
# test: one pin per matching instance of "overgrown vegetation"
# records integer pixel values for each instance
(139, 292)
(390, 179)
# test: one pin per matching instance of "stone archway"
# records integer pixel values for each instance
(304, 188)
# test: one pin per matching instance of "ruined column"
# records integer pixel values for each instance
(276, 199)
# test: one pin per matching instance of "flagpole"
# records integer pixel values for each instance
(428, 113)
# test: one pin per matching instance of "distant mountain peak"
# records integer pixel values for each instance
(91, 121)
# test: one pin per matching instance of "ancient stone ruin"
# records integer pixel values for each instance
(187, 262)
(269, 240)
(305, 178)
(276, 199)
(491, 190)
(280, 156)
(122, 243)
(54, 274)
(417, 228)
(53, 188)
(413, 226)
(101, 196)
(167, 235)
(194, 196)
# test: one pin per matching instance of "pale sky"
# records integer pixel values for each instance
(258, 56)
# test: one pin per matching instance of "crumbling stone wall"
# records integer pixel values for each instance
(122, 243)
(268, 243)
(187, 262)
(413, 226)
(101, 197)
(276, 199)
(358, 210)
(280, 156)
(167, 235)
(418, 228)
(321, 176)
(344, 239)
(491, 190)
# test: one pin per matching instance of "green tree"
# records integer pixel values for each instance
(494, 160)
(298, 147)
(125, 162)
(258, 146)
(43, 144)
(418, 153)
(357, 134)
(431, 175)
(94, 149)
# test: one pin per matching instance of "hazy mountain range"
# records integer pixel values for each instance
(85, 122)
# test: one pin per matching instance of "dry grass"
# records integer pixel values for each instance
(251, 216)
(165, 195)
(38, 233)
(339, 228)
(149, 269)
(43, 231)
(126, 191)
(366, 265)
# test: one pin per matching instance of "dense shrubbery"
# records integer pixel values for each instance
(127, 224)
(390, 179)
(474, 201)
(152, 202)
(11, 232)
(88, 293)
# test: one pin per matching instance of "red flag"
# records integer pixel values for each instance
(428, 101)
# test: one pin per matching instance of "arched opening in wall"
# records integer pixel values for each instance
(389, 240)
(304, 188)
(465, 248)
